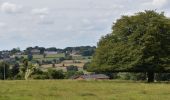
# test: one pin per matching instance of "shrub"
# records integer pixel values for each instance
(69, 74)
(55, 74)
(72, 68)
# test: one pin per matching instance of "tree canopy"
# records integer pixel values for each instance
(138, 43)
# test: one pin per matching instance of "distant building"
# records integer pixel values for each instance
(50, 52)
(91, 77)
(18, 53)
(35, 51)
(74, 52)
(5, 54)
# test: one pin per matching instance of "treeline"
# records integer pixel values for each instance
(80, 50)
(27, 70)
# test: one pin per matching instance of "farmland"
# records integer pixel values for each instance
(48, 57)
(83, 90)
(77, 60)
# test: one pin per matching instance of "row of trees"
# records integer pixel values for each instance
(26, 70)
(83, 50)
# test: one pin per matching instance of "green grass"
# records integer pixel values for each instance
(56, 55)
(47, 56)
(87, 58)
(82, 90)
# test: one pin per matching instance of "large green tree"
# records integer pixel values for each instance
(138, 43)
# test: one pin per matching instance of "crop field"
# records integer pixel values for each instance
(83, 90)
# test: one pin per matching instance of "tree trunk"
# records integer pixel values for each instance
(150, 76)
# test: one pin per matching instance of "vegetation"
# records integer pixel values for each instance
(138, 43)
(72, 68)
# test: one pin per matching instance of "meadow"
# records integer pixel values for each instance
(48, 57)
(83, 90)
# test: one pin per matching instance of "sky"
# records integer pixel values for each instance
(65, 23)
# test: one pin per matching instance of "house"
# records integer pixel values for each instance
(35, 51)
(50, 52)
(4, 54)
(91, 77)
(74, 52)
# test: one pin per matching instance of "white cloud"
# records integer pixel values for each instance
(62, 22)
(2, 24)
(86, 21)
(156, 3)
(9, 7)
(41, 16)
(69, 28)
(159, 3)
(41, 11)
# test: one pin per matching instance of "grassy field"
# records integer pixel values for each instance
(67, 63)
(47, 56)
(82, 90)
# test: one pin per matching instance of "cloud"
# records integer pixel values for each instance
(64, 23)
(7, 7)
(2, 24)
(157, 3)
(41, 16)
(40, 11)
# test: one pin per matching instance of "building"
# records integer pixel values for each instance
(50, 52)
(35, 51)
(91, 77)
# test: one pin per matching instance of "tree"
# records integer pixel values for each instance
(86, 65)
(70, 74)
(15, 50)
(30, 57)
(4, 70)
(44, 55)
(72, 68)
(138, 43)
(55, 74)
(15, 69)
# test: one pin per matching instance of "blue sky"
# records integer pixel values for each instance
(62, 23)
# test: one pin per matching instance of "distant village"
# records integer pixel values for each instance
(10, 55)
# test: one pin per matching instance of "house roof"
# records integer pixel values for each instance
(35, 50)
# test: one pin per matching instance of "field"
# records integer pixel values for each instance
(82, 90)
(48, 57)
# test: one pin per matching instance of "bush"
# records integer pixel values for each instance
(69, 74)
(7, 70)
(30, 57)
(86, 65)
(132, 76)
(72, 68)
(61, 59)
(55, 74)
(162, 76)
(39, 76)
(68, 57)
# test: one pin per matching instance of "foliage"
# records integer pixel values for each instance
(69, 74)
(131, 76)
(55, 74)
(4, 70)
(138, 43)
(30, 57)
(72, 68)
(86, 65)
(15, 69)
(39, 74)
(162, 76)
